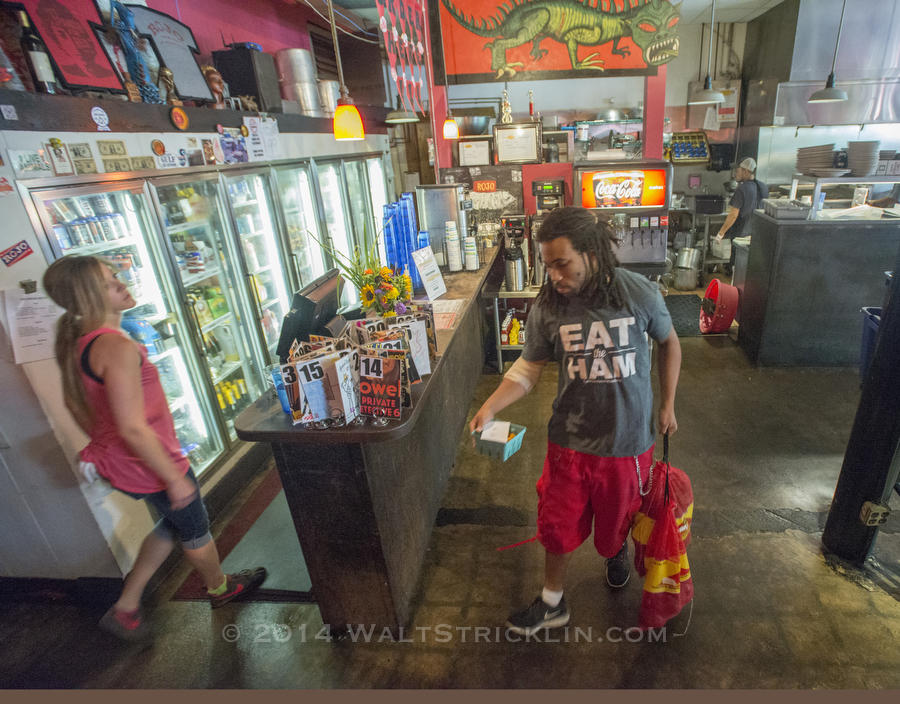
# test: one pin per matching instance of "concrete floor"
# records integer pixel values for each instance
(763, 448)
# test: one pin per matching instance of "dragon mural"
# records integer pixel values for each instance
(650, 25)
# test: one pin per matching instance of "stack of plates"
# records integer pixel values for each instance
(815, 158)
(862, 157)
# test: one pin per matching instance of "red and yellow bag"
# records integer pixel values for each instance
(661, 531)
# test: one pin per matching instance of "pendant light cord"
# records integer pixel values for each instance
(337, 52)
(837, 43)
(712, 24)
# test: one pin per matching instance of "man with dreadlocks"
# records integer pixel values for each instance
(593, 318)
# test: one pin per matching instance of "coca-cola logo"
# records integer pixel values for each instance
(623, 190)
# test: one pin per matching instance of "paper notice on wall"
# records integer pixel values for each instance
(263, 138)
(32, 324)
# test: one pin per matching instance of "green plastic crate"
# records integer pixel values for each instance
(501, 451)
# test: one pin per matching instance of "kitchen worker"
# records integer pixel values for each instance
(594, 319)
(113, 391)
(746, 199)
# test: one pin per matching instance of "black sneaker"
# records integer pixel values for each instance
(239, 586)
(537, 616)
(617, 570)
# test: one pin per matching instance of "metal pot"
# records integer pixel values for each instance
(685, 279)
(688, 258)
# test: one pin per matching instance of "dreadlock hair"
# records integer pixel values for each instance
(593, 238)
(76, 283)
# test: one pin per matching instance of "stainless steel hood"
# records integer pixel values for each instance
(803, 33)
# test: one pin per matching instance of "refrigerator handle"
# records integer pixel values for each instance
(255, 293)
(193, 315)
(297, 268)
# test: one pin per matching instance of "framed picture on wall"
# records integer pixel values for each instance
(78, 59)
(177, 50)
(475, 152)
(517, 143)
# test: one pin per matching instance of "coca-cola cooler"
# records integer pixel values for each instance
(634, 196)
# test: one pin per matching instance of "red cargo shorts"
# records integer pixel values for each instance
(576, 489)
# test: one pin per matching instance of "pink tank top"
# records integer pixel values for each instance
(107, 450)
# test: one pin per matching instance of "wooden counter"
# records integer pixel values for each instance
(805, 284)
(364, 500)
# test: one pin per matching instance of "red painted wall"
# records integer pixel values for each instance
(274, 24)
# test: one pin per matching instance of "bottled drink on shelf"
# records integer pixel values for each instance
(38, 58)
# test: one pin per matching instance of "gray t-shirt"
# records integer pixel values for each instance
(746, 199)
(604, 402)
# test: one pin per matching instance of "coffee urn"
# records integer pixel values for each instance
(515, 268)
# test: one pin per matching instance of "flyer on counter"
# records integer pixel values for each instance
(380, 387)
(432, 278)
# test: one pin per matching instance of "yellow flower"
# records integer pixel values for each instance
(368, 295)
(392, 294)
(386, 273)
(390, 314)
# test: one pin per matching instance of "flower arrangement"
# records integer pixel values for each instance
(381, 289)
(384, 291)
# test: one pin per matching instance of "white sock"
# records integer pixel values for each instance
(550, 597)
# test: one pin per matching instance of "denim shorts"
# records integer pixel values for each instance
(189, 525)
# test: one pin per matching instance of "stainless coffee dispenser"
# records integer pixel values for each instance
(436, 204)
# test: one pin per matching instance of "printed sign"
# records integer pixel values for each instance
(16, 253)
(486, 186)
(622, 190)
(177, 49)
(379, 387)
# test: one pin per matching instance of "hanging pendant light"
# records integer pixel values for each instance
(400, 116)
(830, 94)
(451, 129)
(708, 96)
(347, 124)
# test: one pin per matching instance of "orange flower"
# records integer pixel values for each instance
(368, 272)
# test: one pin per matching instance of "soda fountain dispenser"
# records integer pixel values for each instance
(634, 196)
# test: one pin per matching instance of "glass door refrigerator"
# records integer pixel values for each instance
(295, 196)
(337, 221)
(263, 264)
(205, 264)
(114, 222)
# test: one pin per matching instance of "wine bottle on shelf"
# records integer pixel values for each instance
(38, 58)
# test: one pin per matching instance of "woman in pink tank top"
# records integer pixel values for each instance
(113, 392)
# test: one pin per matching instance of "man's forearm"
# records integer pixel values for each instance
(506, 394)
(669, 370)
(730, 219)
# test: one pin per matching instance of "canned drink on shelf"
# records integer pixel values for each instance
(83, 207)
(61, 211)
(61, 233)
(102, 204)
(79, 233)
(119, 225)
(106, 226)
(93, 224)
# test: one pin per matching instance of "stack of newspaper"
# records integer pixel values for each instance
(366, 371)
